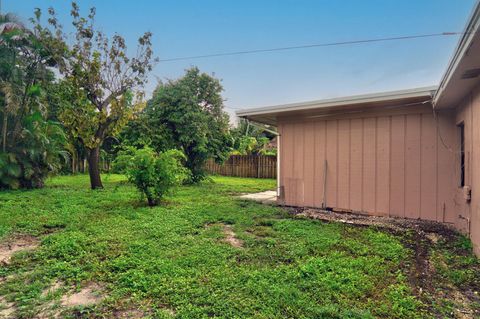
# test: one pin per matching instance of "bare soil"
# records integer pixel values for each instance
(229, 234)
(7, 309)
(52, 289)
(230, 237)
(129, 313)
(88, 296)
(16, 244)
(49, 311)
(395, 224)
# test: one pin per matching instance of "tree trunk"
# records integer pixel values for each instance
(93, 168)
(74, 162)
(151, 202)
(4, 131)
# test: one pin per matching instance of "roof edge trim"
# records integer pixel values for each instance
(463, 45)
(346, 100)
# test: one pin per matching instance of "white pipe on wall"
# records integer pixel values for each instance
(278, 166)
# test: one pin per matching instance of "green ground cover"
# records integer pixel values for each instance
(172, 261)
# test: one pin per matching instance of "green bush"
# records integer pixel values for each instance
(123, 159)
(153, 174)
(31, 144)
(36, 152)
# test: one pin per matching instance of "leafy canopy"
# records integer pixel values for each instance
(31, 145)
(99, 77)
(187, 114)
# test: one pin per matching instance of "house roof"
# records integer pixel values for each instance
(268, 115)
(464, 68)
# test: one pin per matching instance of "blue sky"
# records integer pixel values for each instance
(193, 27)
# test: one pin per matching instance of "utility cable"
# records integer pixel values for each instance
(306, 46)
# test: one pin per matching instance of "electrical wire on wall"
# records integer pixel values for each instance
(437, 124)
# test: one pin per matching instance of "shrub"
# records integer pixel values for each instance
(36, 152)
(153, 174)
(123, 159)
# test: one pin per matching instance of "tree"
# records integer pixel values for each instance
(31, 145)
(187, 114)
(98, 80)
(250, 140)
(10, 32)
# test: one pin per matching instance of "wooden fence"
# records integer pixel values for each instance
(259, 166)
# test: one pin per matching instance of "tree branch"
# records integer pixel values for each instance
(110, 98)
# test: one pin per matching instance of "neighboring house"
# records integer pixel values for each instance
(411, 153)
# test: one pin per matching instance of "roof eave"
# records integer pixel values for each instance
(342, 101)
(463, 45)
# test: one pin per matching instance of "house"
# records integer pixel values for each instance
(411, 153)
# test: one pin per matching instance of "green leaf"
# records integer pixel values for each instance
(35, 90)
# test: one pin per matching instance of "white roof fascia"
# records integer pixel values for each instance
(463, 45)
(348, 100)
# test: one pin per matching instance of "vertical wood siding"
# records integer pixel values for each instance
(331, 152)
(389, 165)
(474, 214)
(382, 166)
(319, 157)
(468, 213)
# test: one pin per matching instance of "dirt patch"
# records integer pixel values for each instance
(423, 238)
(419, 274)
(7, 309)
(230, 237)
(229, 234)
(434, 238)
(434, 229)
(52, 289)
(130, 314)
(16, 244)
(88, 296)
(49, 310)
(463, 310)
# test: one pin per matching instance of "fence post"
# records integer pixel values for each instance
(258, 166)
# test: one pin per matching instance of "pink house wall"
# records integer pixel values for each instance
(468, 112)
(390, 162)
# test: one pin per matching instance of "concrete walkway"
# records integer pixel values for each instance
(268, 197)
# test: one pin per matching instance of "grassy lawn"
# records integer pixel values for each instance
(172, 261)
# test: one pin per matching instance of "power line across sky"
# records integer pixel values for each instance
(315, 45)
